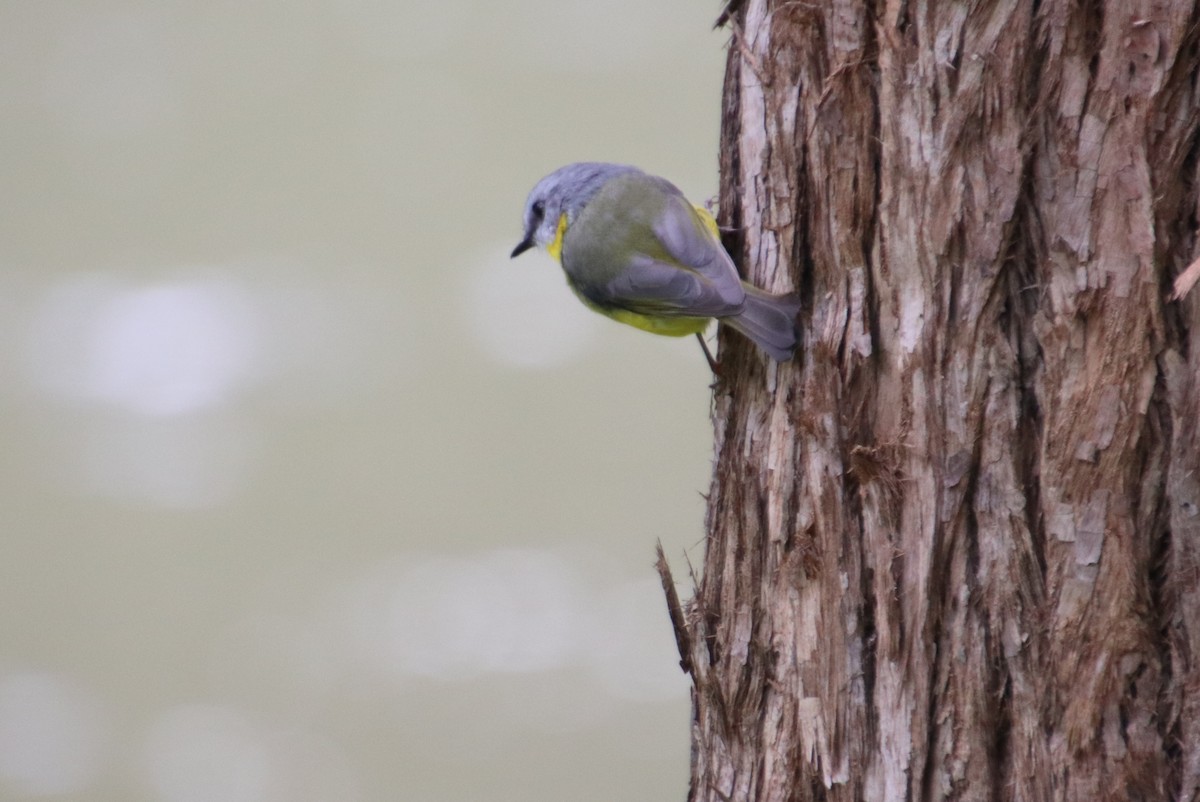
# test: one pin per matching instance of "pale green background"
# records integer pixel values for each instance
(308, 492)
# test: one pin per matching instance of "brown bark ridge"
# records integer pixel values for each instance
(954, 546)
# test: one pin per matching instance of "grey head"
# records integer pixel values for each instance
(565, 191)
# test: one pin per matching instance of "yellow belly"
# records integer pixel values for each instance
(667, 326)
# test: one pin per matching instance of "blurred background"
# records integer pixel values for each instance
(308, 492)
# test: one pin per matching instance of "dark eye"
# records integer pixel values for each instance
(539, 209)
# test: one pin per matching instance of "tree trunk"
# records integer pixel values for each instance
(954, 546)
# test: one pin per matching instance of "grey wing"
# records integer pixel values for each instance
(699, 280)
(649, 286)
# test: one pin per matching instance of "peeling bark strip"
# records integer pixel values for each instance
(954, 548)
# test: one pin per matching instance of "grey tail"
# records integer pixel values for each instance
(770, 321)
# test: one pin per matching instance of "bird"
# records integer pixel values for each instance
(635, 249)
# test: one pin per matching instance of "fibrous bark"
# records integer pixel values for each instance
(954, 546)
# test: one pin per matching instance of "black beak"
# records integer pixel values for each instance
(522, 246)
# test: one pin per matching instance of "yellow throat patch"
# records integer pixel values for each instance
(555, 247)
